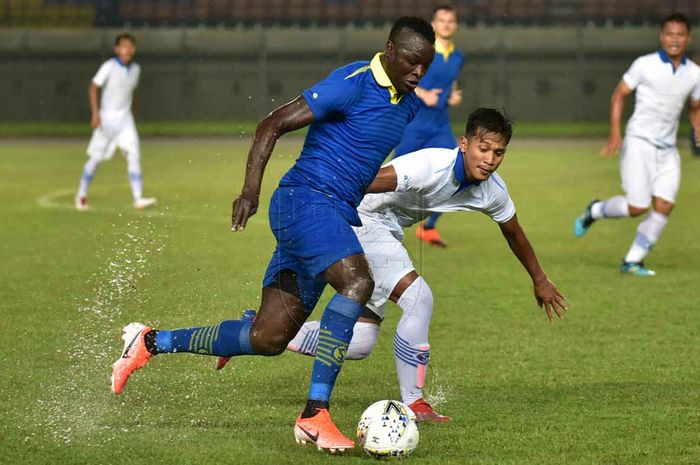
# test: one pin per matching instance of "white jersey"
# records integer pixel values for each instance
(432, 180)
(661, 92)
(117, 83)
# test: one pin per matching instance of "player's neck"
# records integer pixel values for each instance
(444, 42)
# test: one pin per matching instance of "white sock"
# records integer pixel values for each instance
(88, 173)
(648, 233)
(614, 207)
(411, 348)
(364, 338)
(135, 178)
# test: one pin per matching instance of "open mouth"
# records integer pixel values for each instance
(411, 84)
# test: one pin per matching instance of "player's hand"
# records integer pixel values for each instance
(550, 299)
(243, 208)
(95, 121)
(455, 98)
(431, 97)
(612, 146)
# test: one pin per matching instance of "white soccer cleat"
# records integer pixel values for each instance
(81, 203)
(145, 202)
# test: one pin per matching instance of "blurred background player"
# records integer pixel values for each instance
(650, 165)
(357, 115)
(405, 191)
(437, 91)
(113, 122)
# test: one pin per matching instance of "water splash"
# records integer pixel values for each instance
(75, 406)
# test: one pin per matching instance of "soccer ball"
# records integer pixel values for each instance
(388, 429)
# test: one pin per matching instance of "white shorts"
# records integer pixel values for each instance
(104, 142)
(388, 260)
(648, 171)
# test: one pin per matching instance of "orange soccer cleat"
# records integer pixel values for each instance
(425, 413)
(321, 431)
(431, 236)
(134, 356)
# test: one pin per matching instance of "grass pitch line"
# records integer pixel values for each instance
(55, 200)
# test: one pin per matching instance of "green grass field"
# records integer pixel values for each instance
(616, 382)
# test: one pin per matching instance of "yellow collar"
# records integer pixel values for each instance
(382, 78)
(444, 51)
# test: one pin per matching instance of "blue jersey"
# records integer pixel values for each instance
(359, 119)
(431, 126)
(442, 74)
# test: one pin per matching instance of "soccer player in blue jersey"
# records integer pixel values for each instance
(437, 91)
(357, 115)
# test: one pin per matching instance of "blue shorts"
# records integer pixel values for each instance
(441, 138)
(312, 234)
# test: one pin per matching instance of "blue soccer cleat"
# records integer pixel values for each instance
(636, 269)
(584, 221)
(247, 315)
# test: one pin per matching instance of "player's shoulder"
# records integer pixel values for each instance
(352, 73)
(430, 161)
(496, 183)
(694, 67)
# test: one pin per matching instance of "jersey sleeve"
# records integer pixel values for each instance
(633, 76)
(501, 207)
(102, 74)
(334, 94)
(412, 172)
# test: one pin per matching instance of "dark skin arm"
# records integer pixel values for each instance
(93, 99)
(289, 117)
(385, 181)
(548, 296)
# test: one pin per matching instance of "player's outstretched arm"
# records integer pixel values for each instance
(548, 296)
(94, 105)
(617, 106)
(289, 117)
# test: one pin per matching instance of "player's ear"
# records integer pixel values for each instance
(389, 49)
(463, 143)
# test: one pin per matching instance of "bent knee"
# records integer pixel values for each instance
(268, 344)
(637, 211)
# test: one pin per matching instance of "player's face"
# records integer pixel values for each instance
(444, 24)
(674, 39)
(483, 154)
(407, 60)
(125, 50)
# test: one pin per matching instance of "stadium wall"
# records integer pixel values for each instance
(536, 73)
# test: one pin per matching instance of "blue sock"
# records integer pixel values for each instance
(432, 220)
(226, 339)
(334, 337)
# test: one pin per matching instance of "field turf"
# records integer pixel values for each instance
(616, 382)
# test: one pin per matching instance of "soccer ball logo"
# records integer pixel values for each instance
(387, 429)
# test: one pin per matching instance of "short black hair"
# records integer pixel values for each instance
(124, 36)
(489, 120)
(445, 7)
(676, 18)
(414, 23)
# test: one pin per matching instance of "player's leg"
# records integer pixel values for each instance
(128, 141)
(411, 346)
(364, 337)
(100, 148)
(665, 184)
(352, 280)
(636, 183)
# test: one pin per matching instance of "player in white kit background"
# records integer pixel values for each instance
(650, 166)
(113, 121)
(406, 191)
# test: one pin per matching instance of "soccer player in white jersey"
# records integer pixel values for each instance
(650, 165)
(405, 192)
(113, 122)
